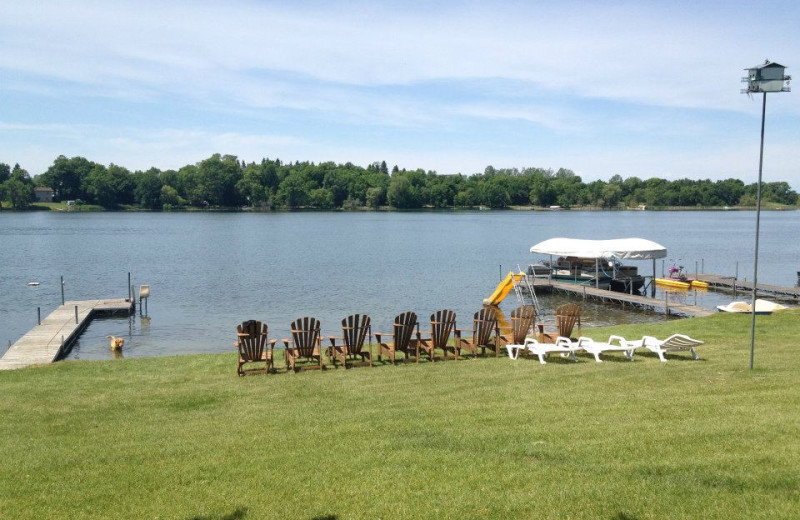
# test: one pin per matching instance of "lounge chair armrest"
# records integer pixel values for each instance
(285, 342)
(619, 339)
(584, 339)
(272, 343)
(531, 341)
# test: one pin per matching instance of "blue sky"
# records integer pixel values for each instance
(629, 88)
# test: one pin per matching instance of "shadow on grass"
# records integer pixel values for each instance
(325, 517)
(238, 514)
(624, 516)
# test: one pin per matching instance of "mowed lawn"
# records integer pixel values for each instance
(184, 437)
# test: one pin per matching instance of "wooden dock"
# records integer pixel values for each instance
(729, 283)
(54, 337)
(634, 300)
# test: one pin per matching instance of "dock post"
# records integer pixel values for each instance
(703, 265)
(130, 287)
(666, 304)
(736, 276)
(695, 269)
(653, 281)
(62, 290)
(39, 315)
(76, 314)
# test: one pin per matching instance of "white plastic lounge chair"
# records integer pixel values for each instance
(514, 350)
(674, 343)
(562, 346)
(614, 344)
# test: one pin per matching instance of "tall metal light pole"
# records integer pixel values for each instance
(768, 77)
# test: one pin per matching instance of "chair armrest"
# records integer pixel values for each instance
(619, 339)
(379, 334)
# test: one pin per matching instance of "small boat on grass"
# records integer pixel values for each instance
(762, 307)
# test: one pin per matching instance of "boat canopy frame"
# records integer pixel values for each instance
(619, 248)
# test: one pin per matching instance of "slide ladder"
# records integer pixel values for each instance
(523, 288)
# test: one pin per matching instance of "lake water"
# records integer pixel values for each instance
(210, 271)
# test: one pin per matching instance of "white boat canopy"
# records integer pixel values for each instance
(621, 248)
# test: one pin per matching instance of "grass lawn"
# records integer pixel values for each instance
(183, 437)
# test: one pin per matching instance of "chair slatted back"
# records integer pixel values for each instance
(484, 323)
(522, 321)
(442, 324)
(251, 346)
(305, 336)
(354, 330)
(680, 341)
(403, 329)
(566, 318)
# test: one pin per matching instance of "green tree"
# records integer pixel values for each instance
(402, 193)
(66, 177)
(375, 196)
(147, 190)
(170, 197)
(216, 180)
(294, 190)
(494, 193)
(321, 198)
(110, 186)
(17, 188)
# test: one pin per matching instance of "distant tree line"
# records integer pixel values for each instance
(224, 181)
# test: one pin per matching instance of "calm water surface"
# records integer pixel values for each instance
(210, 271)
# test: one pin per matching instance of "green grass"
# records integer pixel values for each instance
(183, 437)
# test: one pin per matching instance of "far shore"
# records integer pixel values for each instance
(62, 206)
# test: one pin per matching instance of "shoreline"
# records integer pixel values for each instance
(59, 207)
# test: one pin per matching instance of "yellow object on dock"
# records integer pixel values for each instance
(503, 288)
(675, 284)
(680, 284)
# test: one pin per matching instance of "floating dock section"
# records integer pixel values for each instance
(730, 283)
(634, 300)
(52, 339)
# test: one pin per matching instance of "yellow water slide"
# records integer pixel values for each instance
(503, 288)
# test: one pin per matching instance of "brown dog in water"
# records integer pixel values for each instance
(115, 343)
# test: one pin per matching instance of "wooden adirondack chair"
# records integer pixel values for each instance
(355, 330)
(485, 334)
(252, 344)
(405, 339)
(523, 320)
(443, 322)
(566, 317)
(306, 343)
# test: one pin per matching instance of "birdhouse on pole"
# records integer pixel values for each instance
(767, 77)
